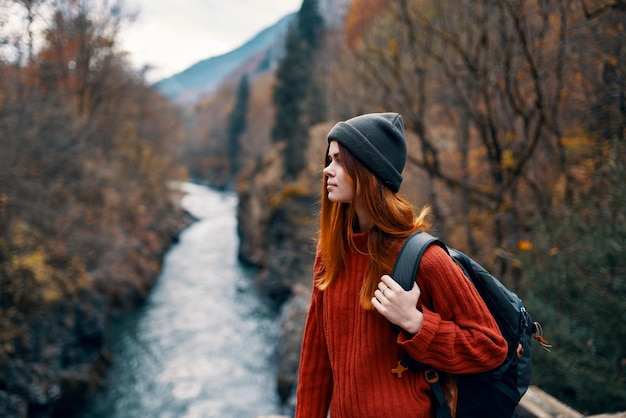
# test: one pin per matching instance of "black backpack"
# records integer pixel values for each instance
(493, 394)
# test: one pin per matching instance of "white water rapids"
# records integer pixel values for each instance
(204, 343)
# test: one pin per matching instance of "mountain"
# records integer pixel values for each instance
(202, 78)
(259, 54)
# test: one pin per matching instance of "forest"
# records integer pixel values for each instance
(87, 152)
(515, 111)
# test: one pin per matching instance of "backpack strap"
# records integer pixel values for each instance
(408, 261)
(404, 272)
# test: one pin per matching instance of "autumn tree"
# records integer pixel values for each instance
(479, 84)
(79, 50)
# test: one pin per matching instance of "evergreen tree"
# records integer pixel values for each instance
(579, 293)
(310, 24)
(295, 92)
(237, 122)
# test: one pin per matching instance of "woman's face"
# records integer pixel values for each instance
(338, 183)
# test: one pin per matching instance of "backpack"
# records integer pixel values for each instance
(493, 394)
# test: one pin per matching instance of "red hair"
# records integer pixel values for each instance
(393, 221)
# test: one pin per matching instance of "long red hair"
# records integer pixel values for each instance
(392, 216)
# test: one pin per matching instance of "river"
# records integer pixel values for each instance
(204, 343)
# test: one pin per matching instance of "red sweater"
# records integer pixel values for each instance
(348, 352)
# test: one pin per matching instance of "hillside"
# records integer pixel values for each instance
(254, 57)
(202, 78)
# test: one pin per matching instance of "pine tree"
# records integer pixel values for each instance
(296, 89)
(237, 122)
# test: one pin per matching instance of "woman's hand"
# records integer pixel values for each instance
(398, 305)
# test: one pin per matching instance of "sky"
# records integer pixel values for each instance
(171, 35)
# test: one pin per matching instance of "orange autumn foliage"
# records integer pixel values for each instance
(361, 14)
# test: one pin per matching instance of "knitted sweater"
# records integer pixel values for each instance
(348, 352)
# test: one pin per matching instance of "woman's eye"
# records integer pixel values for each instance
(330, 160)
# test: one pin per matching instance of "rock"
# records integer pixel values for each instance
(277, 223)
(291, 321)
(258, 183)
(290, 253)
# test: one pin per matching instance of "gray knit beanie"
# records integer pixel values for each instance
(377, 140)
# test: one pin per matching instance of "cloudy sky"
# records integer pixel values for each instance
(171, 35)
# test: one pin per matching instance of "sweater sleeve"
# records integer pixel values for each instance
(314, 390)
(459, 335)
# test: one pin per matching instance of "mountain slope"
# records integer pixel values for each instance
(188, 86)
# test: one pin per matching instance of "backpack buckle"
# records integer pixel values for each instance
(431, 376)
(400, 368)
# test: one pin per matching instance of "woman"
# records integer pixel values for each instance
(349, 347)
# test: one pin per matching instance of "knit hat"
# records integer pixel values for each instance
(377, 140)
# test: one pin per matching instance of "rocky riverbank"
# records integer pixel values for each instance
(277, 222)
(53, 313)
